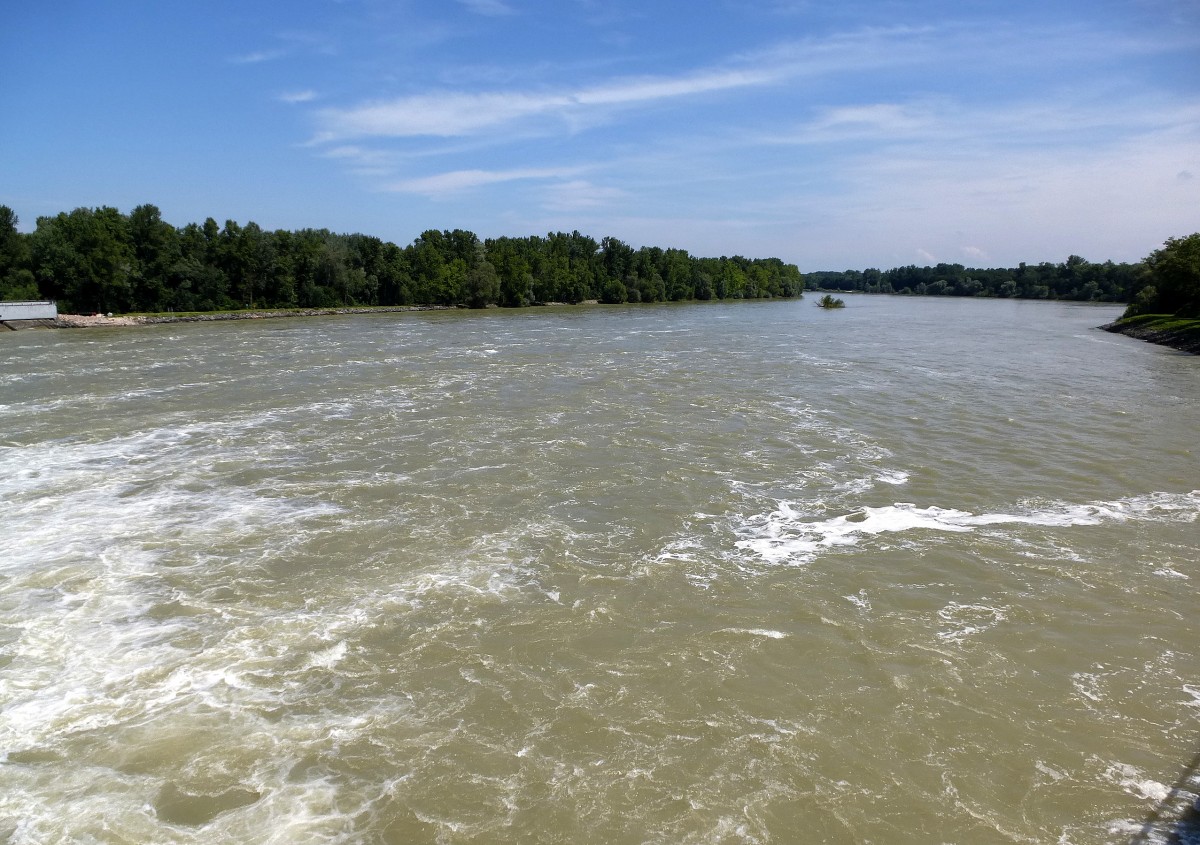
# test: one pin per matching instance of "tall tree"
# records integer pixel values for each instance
(84, 259)
(1175, 273)
(483, 285)
(156, 251)
(16, 278)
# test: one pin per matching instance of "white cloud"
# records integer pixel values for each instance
(1110, 200)
(1095, 164)
(451, 114)
(650, 89)
(444, 115)
(458, 113)
(456, 181)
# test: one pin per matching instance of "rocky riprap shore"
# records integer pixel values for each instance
(1186, 339)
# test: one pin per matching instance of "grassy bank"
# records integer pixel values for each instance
(1164, 329)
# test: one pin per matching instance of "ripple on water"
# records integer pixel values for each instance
(573, 584)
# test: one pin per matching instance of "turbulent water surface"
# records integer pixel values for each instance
(915, 571)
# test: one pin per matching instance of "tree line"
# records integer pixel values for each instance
(1074, 279)
(100, 260)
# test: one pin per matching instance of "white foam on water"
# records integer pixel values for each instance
(119, 560)
(1167, 572)
(965, 620)
(683, 549)
(756, 632)
(1088, 685)
(859, 600)
(789, 534)
(73, 502)
(1051, 772)
(328, 658)
(1134, 781)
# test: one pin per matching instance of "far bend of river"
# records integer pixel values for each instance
(917, 571)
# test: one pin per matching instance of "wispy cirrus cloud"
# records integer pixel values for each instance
(456, 181)
(901, 160)
(289, 44)
(1054, 118)
(450, 114)
(453, 113)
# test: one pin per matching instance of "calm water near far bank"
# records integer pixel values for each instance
(919, 570)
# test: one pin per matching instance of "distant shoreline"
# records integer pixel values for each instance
(80, 321)
(1162, 329)
(100, 321)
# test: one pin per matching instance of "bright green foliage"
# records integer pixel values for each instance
(483, 284)
(16, 278)
(101, 260)
(85, 259)
(614, 292)
(1174, 278)
(1146, 302)
(828, 301)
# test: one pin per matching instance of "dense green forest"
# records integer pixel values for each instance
(100, 260)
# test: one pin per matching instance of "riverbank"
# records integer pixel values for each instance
(1163, 329)
(88, 321)
(81, 321)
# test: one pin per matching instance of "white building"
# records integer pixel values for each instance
(29, 310)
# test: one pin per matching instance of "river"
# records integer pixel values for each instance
(919, 570)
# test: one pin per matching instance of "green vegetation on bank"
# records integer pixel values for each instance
(100, 260)
(1166, 310)
(1181, 333)
(1172, 280)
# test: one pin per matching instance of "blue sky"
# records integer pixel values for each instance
(832, 134)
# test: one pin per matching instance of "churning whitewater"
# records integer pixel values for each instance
(919, 570)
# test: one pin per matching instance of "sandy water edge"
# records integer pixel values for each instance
(80, 321)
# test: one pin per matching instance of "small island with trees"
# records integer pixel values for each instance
(828, 301)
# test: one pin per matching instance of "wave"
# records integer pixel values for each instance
(789, 535)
